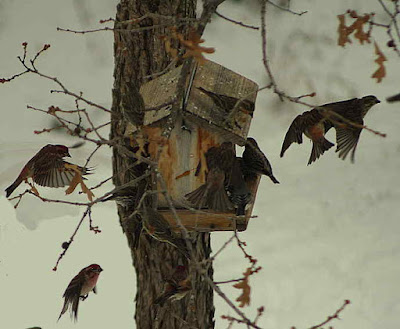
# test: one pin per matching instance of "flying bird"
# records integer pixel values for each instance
(255, 161)
(158, 228)
(347, 135)
(48, 168)
(314, 125)
(79, 287)
(176, 287)
(317, 122)
(212, 193)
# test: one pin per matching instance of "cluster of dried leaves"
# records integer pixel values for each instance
(363, 35)
(191, 45)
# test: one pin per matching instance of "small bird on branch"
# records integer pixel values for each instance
(176, 287)
(212, 193)
(47, 168)
(255, 161)
(316, 123)
(158, 228)
(79, 287)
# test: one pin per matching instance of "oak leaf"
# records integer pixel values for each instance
(78, 179)
(244, 298)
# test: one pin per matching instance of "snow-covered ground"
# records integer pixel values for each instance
(327, 233)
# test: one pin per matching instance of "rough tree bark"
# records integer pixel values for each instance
(138, 55)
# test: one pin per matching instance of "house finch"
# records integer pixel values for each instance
(255, 161)
(79, 288)
(347, 136)
(47, 168)
(158, 228)
(176, 287)
(227, 103)
(212, 193)
(238, 192)
(314, 125)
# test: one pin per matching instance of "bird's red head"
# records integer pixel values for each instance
(61, 150)
(94, 268)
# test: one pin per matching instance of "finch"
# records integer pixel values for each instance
(238, 192)
(227, 103)
(255, 161)
(347, 136)
(47, 168)
(176, 287)
(212, 193)
(79, 287)
(158, 228)
(314, 125)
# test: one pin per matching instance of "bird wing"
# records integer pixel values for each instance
(53, 173)
(71, 295)
(347, 139)
(298, 126)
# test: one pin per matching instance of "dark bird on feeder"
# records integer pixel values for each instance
(255, 161)
(158, 228)
(227, 103)
(48, 168)
(212, 193)
(176, 287)
(237, 189)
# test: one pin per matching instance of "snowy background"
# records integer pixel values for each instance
(327, 233)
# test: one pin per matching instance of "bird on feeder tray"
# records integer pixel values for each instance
(227, 103)
(316, 123)
(176, 287)
(255, 161)
(212, 193)
(158, 228)
(237, 189)
(48, 168)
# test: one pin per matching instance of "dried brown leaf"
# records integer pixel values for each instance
(343, 31)
(380, 73)
(244, 298)
(78, 179)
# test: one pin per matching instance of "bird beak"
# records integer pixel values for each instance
(378, 101)
(68, 155)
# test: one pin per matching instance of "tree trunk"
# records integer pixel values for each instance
(138, 55)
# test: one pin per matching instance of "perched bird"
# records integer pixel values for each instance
(255, 161)
(47, 168)
(237, 189)
(79, 287)
(347, 135)
(158, 228)
(126, 197)
(314, 125)
(227, 103)
(212, 193)
(176, 287)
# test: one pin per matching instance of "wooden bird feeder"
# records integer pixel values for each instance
(201, 126)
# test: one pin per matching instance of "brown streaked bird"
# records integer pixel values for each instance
(79, 287)
(158, 228)
(238, 192)
(314, 125)
(255, 161)
(212, 193)
(47, 168)
(347, 136)
(176, 287)
(227, 103)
